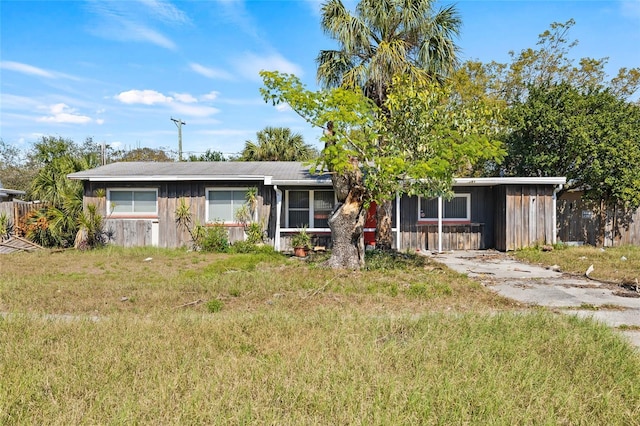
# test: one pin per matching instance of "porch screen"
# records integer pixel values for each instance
(298, 209)
(455, 209)
(222, 205)
(309, 208)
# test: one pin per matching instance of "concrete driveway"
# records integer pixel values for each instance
(535, 285)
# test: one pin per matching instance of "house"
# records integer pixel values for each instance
(139, 200)
(9, 194)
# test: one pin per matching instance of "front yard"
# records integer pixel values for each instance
(153, 336)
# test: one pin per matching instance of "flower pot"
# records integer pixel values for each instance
(300, 251)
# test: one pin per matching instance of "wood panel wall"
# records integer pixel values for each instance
(137, 232)
(579, 221)
(479, 234)
(528, 216)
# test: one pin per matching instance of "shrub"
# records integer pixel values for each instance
(215, 239)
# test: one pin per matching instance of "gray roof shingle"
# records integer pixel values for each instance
(269, 171)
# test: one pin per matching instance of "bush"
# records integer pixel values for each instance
(255, 233)
(215, 239)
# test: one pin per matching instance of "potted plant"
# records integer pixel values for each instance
(301, 243)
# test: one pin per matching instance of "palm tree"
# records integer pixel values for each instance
(382, 39)
(277, 144)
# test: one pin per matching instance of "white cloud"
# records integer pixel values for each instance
(179, 103)
(210, 72)
(283, 107)
(146, 97)
(250, 65)
(135, 21)
(184, 98)
(32, 70)
(211, 96)
(166, 11)
(62, 113)
(194, 110)
(100, 121)
(140, 32)
(25, 69)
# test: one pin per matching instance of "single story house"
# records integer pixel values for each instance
(139, 201)
(7, 194)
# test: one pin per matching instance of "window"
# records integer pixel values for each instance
(136, 202)
(310, 209)
(222, 204)
(456, 209)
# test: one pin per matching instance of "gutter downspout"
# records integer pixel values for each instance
(398, 221)
(554, 220)
(440, 224)
(276, 238)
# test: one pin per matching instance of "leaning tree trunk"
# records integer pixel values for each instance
(347, 221)
(384, 235)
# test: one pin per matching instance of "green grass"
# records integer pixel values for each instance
(278, 341)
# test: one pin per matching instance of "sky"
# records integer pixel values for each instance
(118, 71)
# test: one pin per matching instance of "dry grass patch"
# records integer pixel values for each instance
(113, 280)
(616, 264)
(407, 342)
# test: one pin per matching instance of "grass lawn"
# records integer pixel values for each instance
(107, 337)
(614, 264)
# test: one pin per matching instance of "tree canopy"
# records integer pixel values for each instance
(426, 140)
(277, 144)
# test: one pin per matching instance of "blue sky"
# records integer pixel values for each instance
(119, 70)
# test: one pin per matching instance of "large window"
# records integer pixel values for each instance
(456, 209)
(222, 204)
(310, 209)
(135, 202)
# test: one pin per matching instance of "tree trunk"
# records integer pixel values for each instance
(384, 235)
(347, 221)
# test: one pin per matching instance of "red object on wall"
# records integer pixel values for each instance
(370, 223)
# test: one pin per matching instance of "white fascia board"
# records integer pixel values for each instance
(492, 181)
(302, 182)
(165, 178)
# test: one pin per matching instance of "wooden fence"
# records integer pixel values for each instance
(14, 210)
(580, 221)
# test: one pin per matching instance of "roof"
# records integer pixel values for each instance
(270, 172)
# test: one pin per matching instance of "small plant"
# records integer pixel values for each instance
(6, 227)
(255, 233)
(301, 240)
(214, 305)
(215, 239)
(91, 232)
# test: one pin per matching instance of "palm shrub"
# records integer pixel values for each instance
(6, 226)
(63, 197)
(91, 233)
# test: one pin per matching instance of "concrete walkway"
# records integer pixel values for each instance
(535, 285)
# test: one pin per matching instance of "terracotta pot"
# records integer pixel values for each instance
(300, 251)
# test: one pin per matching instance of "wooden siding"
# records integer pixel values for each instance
(579, 221)
(478, 234)
(524, 216)
(138, 232)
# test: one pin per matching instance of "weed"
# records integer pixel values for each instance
(214, 305)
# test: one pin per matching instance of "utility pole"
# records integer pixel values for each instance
(179, 124)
